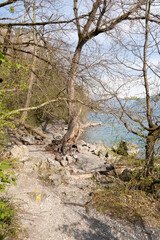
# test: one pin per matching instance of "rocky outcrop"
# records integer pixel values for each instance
(127, 149)
(83, 158)
(20, 152)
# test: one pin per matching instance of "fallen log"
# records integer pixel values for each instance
(34, 130)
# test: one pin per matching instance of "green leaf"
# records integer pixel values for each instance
(4, 167)
(2, 216)
(18, 65)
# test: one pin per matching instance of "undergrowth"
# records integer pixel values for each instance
(127, 201)
(7, 212)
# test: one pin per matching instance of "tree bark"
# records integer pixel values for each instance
(73, 126)
(152, 138)
(29, 93)
(71, 85)
(149, 114)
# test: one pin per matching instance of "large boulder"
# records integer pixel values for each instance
(20, 152)
(100, 149)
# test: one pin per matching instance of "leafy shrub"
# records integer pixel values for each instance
(6, 209)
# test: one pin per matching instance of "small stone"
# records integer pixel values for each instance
(67, 172)
(64, 158)
(51, 160)
(58, 158)
(92, 148)
(69, 159)
(56, 165)
(75, 156)
(64, 163)
(80, 148)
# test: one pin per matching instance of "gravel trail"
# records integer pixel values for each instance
(48, 212)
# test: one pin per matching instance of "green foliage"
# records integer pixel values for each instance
(7, 212)
(7, 176)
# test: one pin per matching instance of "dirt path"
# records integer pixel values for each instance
(58, 212)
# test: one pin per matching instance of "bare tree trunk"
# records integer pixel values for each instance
(29, 93)
(70, 86)
(152, 139)
(73, 126)
(6, 41)
(150, 146)
(150, 142)
(145, 65)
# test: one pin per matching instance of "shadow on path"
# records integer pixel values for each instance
(93, 230)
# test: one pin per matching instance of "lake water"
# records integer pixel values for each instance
(113, 131)
(110, 133)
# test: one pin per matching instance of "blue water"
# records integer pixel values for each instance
(113, 131)
(110, 133)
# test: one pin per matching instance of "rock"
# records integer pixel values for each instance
(75, 157)
(81, 143)
(114, 148)
(90, 124)
(57, 165)
(67, 172)
(127, 148)
(70, 159)
(105, 153)
(84, 149)
(92, 147)
(64, 162)
(27, 140)
(100, 150)
(51, 160)
(20, 152)
(112, 158)
(89, 162)
(30, 165)
(104, 180)
(82, 176)
(108, 170)
(80, 148)
(53, 163)
(58, 158)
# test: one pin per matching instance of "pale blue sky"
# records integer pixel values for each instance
(65, 10)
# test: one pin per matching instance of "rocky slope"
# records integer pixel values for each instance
(53, 192)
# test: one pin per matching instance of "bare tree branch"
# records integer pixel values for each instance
(7, 3)
(77, 18)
